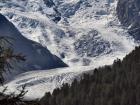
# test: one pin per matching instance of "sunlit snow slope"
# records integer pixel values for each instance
(80, 32)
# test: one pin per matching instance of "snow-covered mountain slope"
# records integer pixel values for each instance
(77, 31)
(37, 57)
(80, 32)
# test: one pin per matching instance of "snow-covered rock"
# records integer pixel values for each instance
(74, 30)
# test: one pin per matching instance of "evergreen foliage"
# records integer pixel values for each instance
(118, 84)
(7, 56)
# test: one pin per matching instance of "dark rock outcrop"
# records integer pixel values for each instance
(128, 12)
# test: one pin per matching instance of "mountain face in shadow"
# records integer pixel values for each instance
(129, 15)
(37, 57)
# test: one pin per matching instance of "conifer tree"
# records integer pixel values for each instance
(7, 56)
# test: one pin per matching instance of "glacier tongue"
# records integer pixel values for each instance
(41, 81)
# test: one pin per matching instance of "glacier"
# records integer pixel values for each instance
(85, 34)
(85, 30)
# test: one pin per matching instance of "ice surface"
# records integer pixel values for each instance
(80, 32)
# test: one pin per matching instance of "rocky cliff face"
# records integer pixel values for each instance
(128, 12)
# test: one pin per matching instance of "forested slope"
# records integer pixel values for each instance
(118, 84)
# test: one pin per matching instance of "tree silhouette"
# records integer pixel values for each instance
(117, 84)
(7, 56)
